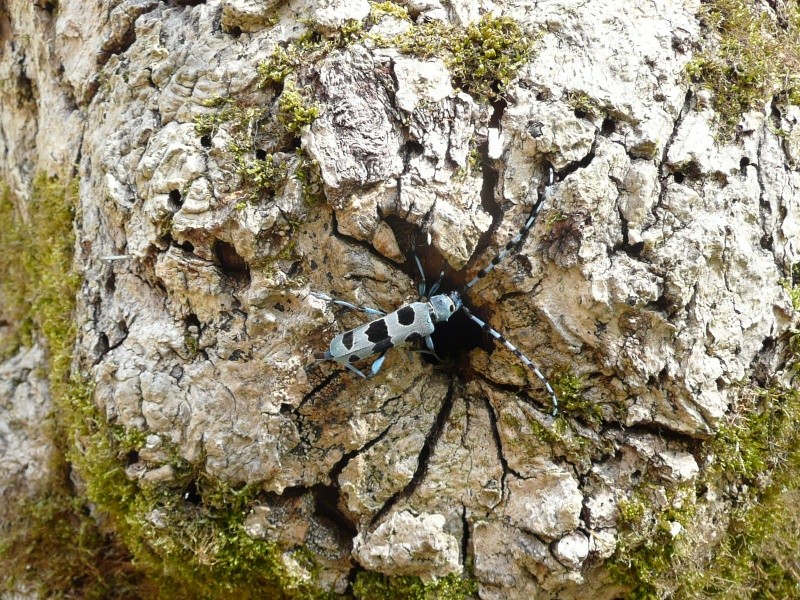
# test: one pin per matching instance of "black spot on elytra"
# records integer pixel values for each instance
(377, 331)
(413, 337)
(383, 346)
(406, 315)
(347, 340)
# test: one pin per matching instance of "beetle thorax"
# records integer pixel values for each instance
(444, 305)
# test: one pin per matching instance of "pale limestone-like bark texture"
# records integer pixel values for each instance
(26, 445)
(653, 272)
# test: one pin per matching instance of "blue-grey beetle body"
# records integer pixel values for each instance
(417, 320)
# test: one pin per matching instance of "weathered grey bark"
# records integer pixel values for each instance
(654, 272)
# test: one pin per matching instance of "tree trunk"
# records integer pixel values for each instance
(230, 167)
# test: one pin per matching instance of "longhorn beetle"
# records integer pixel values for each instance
(417, 320)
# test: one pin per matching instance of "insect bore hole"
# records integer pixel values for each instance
(454, 339)
(191, 493)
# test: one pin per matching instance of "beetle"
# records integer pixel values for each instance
(417, 320)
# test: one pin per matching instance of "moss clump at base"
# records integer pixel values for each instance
(757, 452)
(153, 542)
(374, 586)
(50, 544)
(651, 554)
(752, 55)
(190, 547)
(36, 283)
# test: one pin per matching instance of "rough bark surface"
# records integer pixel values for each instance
(25, 433)
(653, 273)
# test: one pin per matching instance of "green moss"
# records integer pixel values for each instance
(208, 123)
(261, 177)
(758, 558)
(569, 391)
(483, 58)
(294, 110)
(489, 55)
(750, 56)
(654, 546)
(583, 103)
(757, 451)
(13, 280)
(40, 285)
(50, 542)
(529, 437)
(379, 9)
(282, 62)
(265, 175)
(562, 435)
(349, 33)
(474, 158)
(759, 437)
(794, 295)
(310, 178)
(52, 546)
(153, 542)
(794, 348)
(553, 219)
(374, 586)
(190, 342)
(189, 549)
(429, 39)
(792, 287)
(37, 251)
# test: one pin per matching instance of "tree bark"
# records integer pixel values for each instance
(234, 156)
